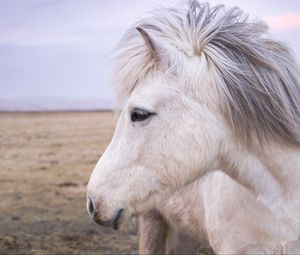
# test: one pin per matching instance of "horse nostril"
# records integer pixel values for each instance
(91, 206)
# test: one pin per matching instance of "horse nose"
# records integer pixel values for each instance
(91, 207)
(101, 215)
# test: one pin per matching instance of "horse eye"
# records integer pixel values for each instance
(139, 114)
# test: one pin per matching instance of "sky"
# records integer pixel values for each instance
(60, 48)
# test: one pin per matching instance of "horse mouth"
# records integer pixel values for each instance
(114, 223)
(117, 219)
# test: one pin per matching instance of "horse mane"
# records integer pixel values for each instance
(256, 76)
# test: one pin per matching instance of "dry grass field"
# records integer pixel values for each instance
(45, 162)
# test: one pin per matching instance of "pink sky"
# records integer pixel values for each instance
(288, 21)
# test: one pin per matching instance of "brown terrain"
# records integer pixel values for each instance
(45, 162)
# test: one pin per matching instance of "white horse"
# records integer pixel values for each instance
(202, 88)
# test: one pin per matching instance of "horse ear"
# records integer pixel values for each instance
(153, 44)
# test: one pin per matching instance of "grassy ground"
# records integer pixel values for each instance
(45, 162)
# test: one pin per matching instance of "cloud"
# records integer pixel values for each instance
(284, 23)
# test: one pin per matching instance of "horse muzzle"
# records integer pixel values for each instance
(99, 215)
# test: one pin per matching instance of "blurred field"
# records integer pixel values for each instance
(45, 162)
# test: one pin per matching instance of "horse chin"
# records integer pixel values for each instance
(143, 206)
(127, 222)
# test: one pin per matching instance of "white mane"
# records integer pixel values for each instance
(256, 76)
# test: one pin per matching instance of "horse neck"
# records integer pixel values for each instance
(272, 174)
